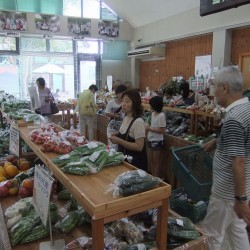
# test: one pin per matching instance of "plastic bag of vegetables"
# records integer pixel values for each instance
(125, 228)
(132, 182)
(33, 118)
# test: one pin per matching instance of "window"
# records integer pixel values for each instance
(37, 58)
(58, 72)
(8, 43)
(72, 8)
(33, 44)
(88, 47)
(91, 9)
(75, 8)
(9, 77)
(57, 45)
(116, 50)
(108, 14)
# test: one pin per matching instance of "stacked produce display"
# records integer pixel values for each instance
(74, 155)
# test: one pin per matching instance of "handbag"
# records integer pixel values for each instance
(54, 108)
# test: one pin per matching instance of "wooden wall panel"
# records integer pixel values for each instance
(240, 43)
(179, 61)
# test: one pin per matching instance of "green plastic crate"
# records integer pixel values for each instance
(194, 211)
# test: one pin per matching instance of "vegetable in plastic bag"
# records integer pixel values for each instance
(133, 182)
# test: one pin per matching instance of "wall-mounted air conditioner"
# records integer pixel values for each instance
(147, 52)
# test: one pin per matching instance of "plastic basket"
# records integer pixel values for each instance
(179, 203)
(192, 166)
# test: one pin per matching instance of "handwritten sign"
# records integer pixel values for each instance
(14, 140)
(41, 192)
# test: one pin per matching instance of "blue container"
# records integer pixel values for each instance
(192, 166)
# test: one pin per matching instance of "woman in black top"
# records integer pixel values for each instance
(132, 136)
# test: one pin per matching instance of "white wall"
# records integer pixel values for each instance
(191, 23)
(120, 70)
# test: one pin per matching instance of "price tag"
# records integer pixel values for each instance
(41, 192)
(92, 144)
(94, 156)
(180, 222)
(14, 140)
(63, 157)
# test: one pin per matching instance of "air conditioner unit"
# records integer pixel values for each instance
(148, 52)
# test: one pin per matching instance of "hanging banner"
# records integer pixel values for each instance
(79, 27)
(41, 192)
(14, 21)
(14, 140)
(108, 28)
(47, 23)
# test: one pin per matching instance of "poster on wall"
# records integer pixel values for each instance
(203, 66)
(13, 21)
(79, 26)
(47, 23)
(108, 29)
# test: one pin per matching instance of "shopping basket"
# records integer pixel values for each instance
(192, 166)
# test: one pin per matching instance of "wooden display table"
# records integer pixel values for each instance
(90, 192)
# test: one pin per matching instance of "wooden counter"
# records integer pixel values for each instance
(103, 208)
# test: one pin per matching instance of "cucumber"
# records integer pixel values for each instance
(76, 169)
(22, 228)
(38, 232)
(138, 188)
(64, 195)
(69, 222)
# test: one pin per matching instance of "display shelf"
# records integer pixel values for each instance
(90, 192)
(178, 110)
(34, 245)
(209, 122)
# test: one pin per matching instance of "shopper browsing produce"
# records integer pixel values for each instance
(156, 129)
(114, 111)
(131, 135)
(228, 210)
(45, 96)
(87, 110)
(188, 96)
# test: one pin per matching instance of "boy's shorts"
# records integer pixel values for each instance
(156, 144)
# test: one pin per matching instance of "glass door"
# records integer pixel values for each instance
(89, 71)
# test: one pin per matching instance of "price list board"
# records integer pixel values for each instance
(14, 140)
